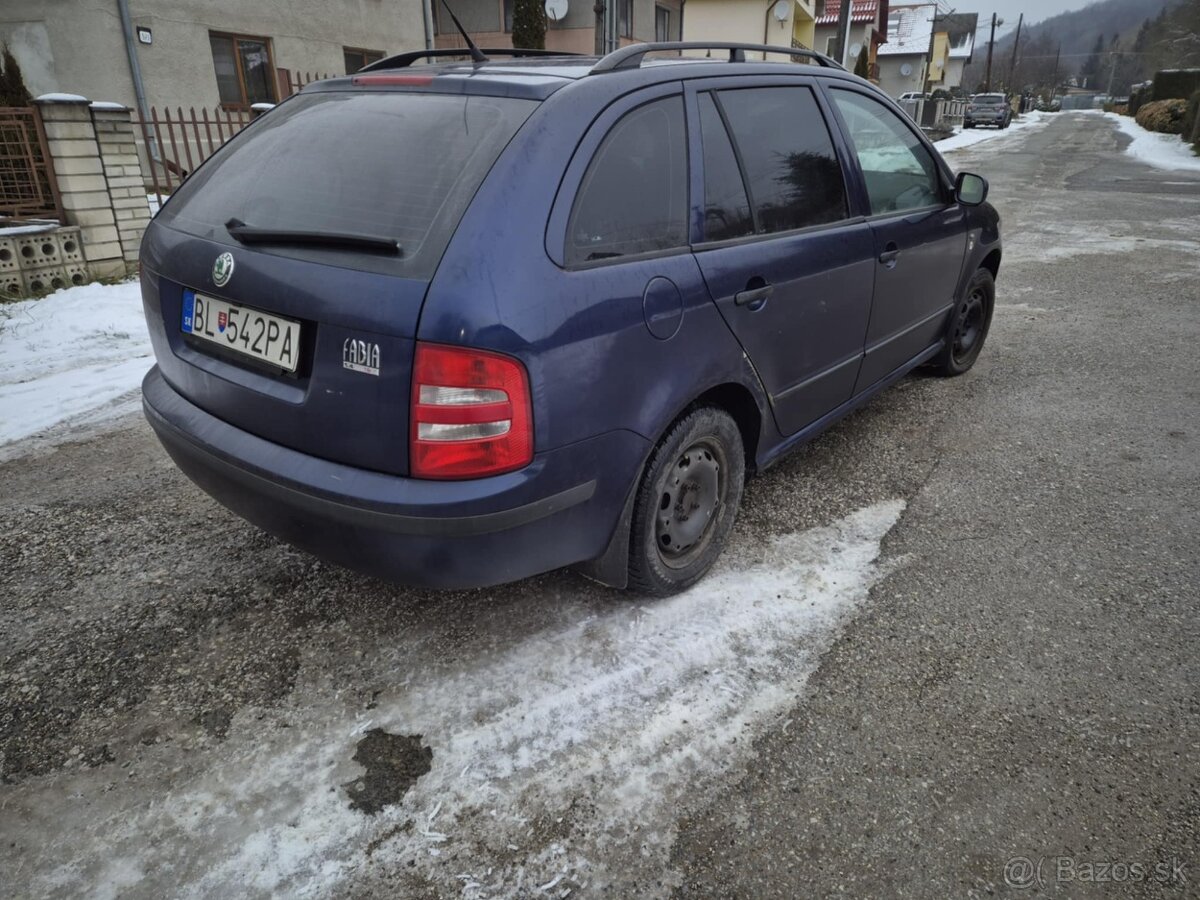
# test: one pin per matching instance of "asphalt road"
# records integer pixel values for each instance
(951, 652)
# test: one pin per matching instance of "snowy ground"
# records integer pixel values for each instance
(639, 708)
(966, 137)
(1163, 151)
(73, 358)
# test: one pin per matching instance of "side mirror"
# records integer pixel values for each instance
(970, 190)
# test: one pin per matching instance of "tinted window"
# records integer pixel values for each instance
(791, 170)
(395, 165)
(726, 209)
(900, 173)
(633, 198)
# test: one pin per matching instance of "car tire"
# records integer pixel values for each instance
(968, 326)
(686, 502)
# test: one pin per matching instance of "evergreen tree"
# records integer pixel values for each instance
(1089, 74)
(529, 25)
(12, 84)
(861, 68)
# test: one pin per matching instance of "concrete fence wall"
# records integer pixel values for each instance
(99, 179)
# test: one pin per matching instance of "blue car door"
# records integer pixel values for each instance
(788, 266)
(919, 232)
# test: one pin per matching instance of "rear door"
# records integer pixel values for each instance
(786, 263)
(396, 165)
(919, 232)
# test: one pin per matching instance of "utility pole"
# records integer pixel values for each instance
(987, 81)
(843, 32)
(598, 9)
(1054, 80)
(1012, 65)
(1113, 71)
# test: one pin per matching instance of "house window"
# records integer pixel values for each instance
(357, 59)
(831, 46)
(626, 20)
(662, 23)
(508, 15)
(244, 68)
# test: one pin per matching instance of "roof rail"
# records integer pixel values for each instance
(630, 57)
(404, 60)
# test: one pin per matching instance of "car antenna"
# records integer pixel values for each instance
(476, 53)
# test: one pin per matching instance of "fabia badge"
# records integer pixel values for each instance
(223, 269)
(360, 356)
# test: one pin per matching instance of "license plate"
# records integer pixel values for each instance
(242, 329)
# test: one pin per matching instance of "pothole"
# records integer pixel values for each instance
(393, 762)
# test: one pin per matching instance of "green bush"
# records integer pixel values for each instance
(1165, 116)
(1172, 84)
(529, 25)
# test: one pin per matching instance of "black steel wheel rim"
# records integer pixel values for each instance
(968, 329)
(689, 503)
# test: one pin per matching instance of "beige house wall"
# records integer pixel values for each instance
(76, 46)
(748, 21)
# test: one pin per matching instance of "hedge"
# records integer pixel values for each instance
(1171, 84)
(1162, 115)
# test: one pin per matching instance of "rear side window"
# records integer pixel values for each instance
(396, 165)
(726, 207)
(788, 162)
(633, 198)
(899, 172)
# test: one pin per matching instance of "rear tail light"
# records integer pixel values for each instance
(471, 413)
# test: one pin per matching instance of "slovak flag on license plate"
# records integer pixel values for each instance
(222, 321)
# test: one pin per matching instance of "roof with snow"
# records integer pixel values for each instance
(860, 11)
(910, 29)
(960, 27)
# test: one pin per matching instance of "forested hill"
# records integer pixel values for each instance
(1126, 40)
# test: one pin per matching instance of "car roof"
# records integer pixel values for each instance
(539, 77)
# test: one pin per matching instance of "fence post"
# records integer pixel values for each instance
(123, 173)
(75, 152)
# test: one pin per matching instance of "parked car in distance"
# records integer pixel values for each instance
(988, 109)
(460, 323)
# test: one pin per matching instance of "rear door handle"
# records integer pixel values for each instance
(753, 295)
(889, 254)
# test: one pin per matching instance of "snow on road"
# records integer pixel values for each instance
(548, 751)
(74, 355)
(1162, 151)
(1028, 122)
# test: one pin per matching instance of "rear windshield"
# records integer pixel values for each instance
(988, 100)
(401, 166)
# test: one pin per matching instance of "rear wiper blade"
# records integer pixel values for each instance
(248, 234)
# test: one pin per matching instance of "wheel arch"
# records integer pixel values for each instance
(991, 262)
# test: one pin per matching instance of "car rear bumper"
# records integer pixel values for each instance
(560, 510)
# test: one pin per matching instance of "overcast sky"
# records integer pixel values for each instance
(1009, 10)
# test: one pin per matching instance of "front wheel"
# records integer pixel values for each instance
(686, 502)
(969, 325)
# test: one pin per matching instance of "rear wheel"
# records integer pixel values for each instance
(969, 325)
(686, 502)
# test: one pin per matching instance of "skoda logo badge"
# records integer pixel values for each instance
(223, 269)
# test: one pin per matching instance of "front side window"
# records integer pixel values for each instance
(788, 162)
(900, 173)
(633, 198)
(356, 59)
(243, 68)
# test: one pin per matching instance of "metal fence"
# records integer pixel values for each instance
(176, 142)
(935, 113)
(28, 188)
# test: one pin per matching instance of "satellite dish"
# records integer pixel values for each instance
(855, 49)
(906, 70)
(782, 10)
(556, 10)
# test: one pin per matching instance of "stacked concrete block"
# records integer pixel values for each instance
(123, 171)
(40, 262)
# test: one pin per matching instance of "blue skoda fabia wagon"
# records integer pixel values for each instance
(459, 323)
